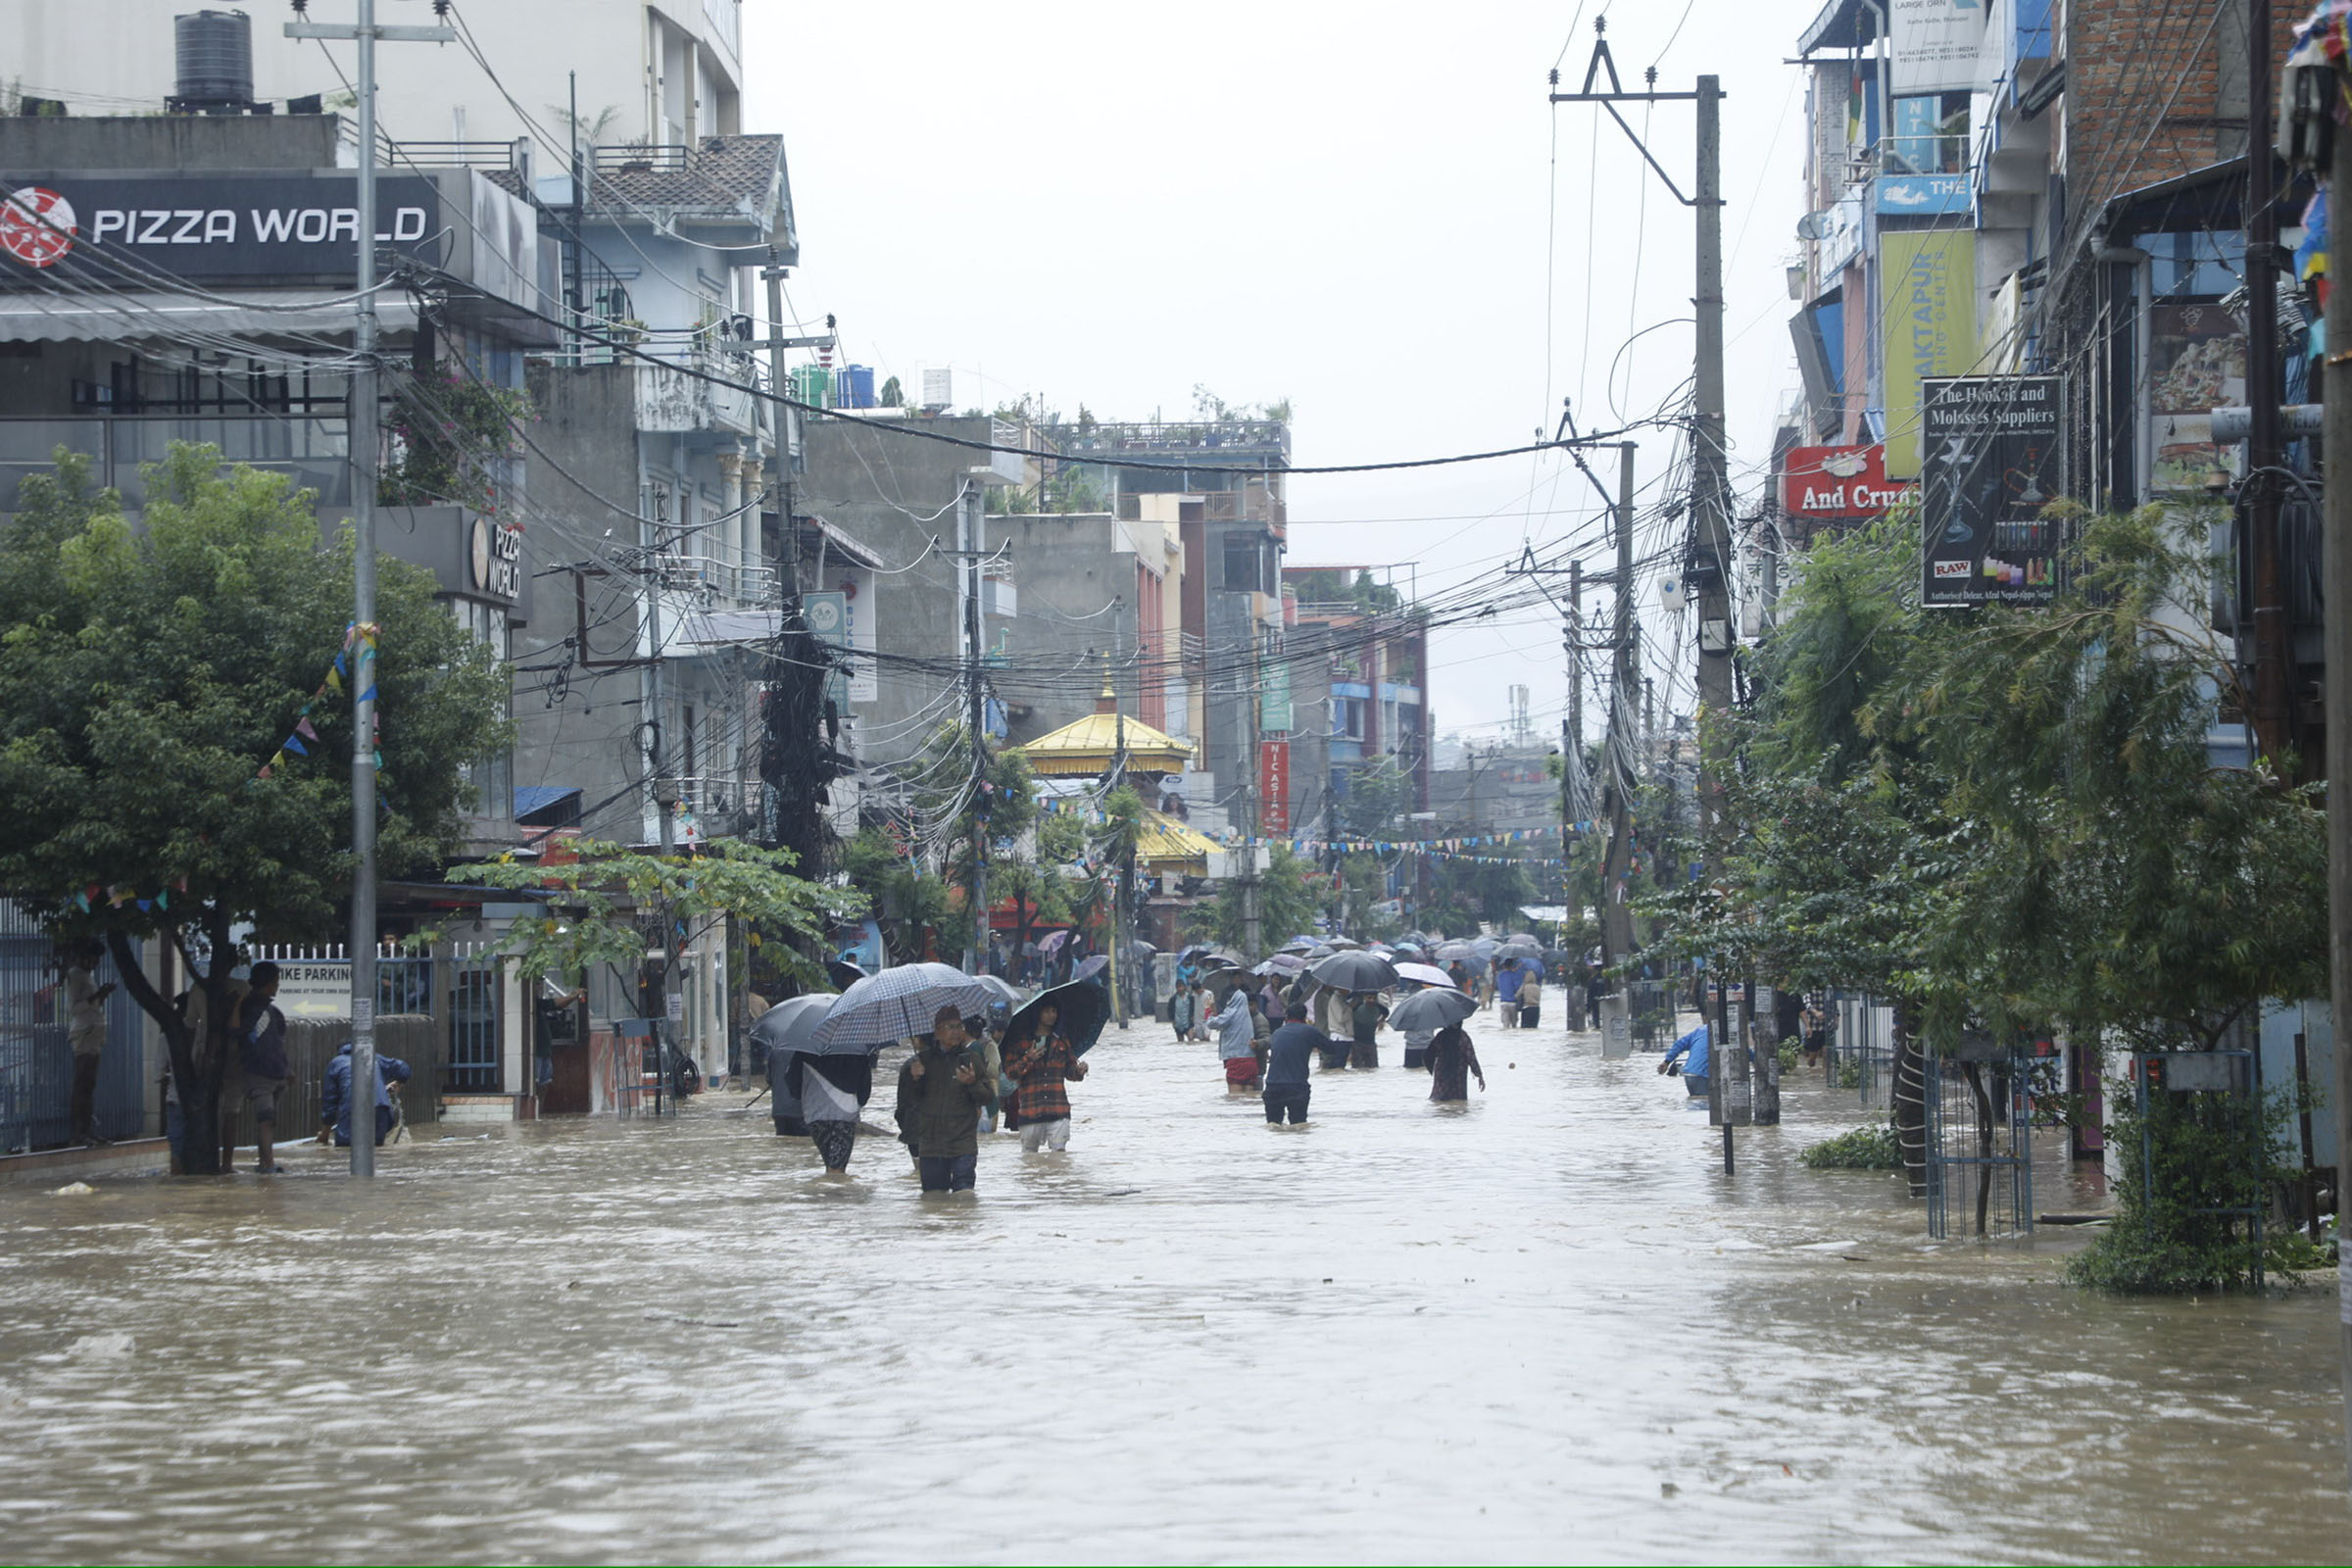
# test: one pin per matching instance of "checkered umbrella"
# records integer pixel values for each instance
(897, 1004)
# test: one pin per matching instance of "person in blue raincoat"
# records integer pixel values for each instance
(334, 1097)
(1692, 1052)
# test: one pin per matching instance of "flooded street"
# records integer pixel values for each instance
(1540, 1327)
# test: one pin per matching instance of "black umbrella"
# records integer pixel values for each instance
(1084, 1011)
(1354, 972)
(1434, 1009)
(843, 973)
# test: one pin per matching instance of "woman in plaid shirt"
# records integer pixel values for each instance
(1042, 1067)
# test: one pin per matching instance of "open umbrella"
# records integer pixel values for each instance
(1428, 974)
(1521, 950)
(1354, 972)
(843, 973)
(1528, 936)
(1084, 1011)
(1447, 952)
(1303, 942)
(1089, 967)
(895, 1005)
(1344, 944)
(787, 1026)
(1484, 946)
(1433, 1009)
(1408, 950)
(1286, 962)
(1004, 991)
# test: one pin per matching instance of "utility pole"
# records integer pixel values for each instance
(1572, 728)
(1252, 937)
(2336, 578)
(1729, 1103)
(2274, 628)
(1125, 871)
(1616, 914)
(970, 527)
(364, 441)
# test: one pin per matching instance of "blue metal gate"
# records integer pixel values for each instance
(36, 1058)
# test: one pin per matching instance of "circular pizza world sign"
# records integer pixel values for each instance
(36, 225)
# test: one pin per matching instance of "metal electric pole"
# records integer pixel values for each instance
(2335, 573)
(363, 440)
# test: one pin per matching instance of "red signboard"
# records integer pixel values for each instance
(1274, 786)
(1840, 482)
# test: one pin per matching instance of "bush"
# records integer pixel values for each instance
(1791, 1049)
(2207, 1152)
(1849, 1074)
(1870, 1148)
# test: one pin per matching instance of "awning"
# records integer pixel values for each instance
(1840, 24)
(530, 800)
(1166, 844)
(140, 314)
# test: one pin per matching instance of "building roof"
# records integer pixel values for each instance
(1169, 844)
(1840, 24)
(729, 180)
(1092, 744)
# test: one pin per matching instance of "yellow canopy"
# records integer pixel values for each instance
(1087, 747)
(1168, 844)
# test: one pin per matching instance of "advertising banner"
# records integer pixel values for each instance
(1274, 787)
(203, 228)
(1274, 693)
(1928, 314)
(2197, 357)
(1992, 465)
(1840, 482)
(1935, 43)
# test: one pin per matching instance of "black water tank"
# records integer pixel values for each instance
(214, 51)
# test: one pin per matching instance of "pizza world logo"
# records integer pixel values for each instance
(37, 227)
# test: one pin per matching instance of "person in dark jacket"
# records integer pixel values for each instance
(940, 1094)
(1452, 1061)
(1364, 1020)
(334, 1097)
(267, 1075)
(1287, 1055)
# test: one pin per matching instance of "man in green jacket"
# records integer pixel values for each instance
(940, 1095)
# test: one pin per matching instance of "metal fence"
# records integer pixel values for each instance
(1650, 1004)
(1979, 1108)
(460, 989)
(1860, 1054)
(36, 1058)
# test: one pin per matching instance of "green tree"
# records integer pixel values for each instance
(911, 905)
(1289, 898)
(611, 904)
(146, 676)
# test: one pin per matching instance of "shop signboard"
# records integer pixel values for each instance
(1927, 282)
(1989, 467)
(124, 231)
(1840, 482)
(1274, 786)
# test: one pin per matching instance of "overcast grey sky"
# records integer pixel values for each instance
(1350, 207)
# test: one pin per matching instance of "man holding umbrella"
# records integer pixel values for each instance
(939, 1104)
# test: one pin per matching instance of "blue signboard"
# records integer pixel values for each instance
(1920, 195)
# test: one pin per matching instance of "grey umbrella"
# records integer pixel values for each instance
(1004, 991)
(1448, 952)
(896, 1005)
(787, 1025)
(1521, 950)
(1354, 972)
(1432, 1009)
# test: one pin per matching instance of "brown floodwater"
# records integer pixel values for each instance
(1542, 1326)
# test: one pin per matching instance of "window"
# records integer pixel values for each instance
(1931, 134)
(1245, 562)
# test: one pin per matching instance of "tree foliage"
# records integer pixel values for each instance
(609, 904)
(148, 671)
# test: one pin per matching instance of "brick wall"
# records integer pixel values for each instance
(2156, 88)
